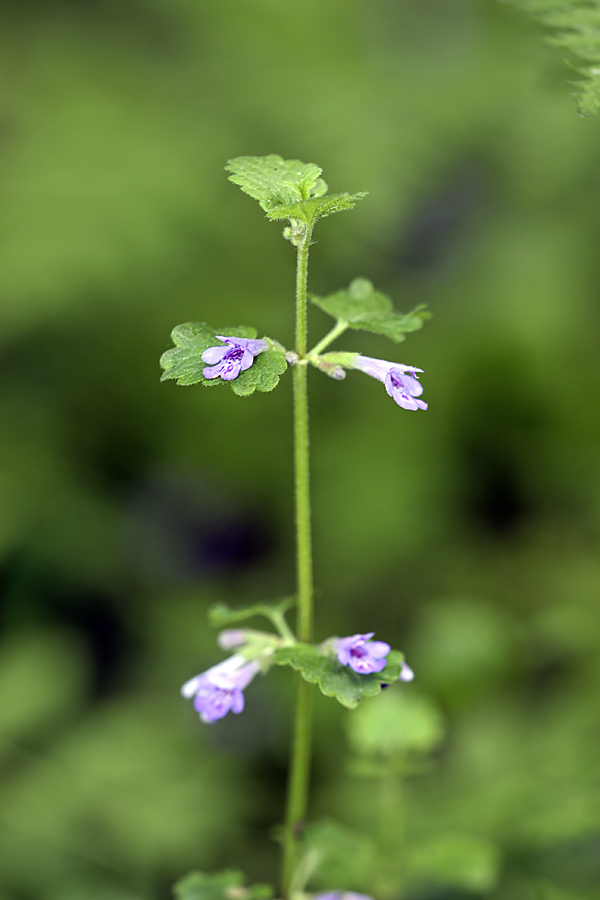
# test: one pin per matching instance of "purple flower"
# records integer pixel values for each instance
(406, 673)
(231, 638)
(404, 388)
(234, 357)
(341, 895)
(219, 689)
(361, 653)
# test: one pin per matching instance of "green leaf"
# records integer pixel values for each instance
(575, 26)
(274, 181)
(461, 860)
(225, 885)
(333, 679)
(345, 857)
(184, 362)
(360, 306)
(263, 375)
(311, 210)
(221, 614)
(399, 722)
(288, 188)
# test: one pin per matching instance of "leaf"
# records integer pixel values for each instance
(333, 679)
(225, 885)
(345, 857)
(263, 375)
(288, 188)
(576, 28)
(184, 362)
(461, 860)
(360, 306)
(311, 210)
(400, 722)
(221, 614)
(274, 181)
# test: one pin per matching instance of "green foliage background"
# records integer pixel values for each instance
(467, 536)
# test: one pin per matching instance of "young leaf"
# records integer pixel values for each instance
(184, 362)
(576, 28)
(225, 885)
(274, 181)
(360, 306)
(288, 188)
(335, 680)
(311, 210)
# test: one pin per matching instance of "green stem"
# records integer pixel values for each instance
(297, 797)
(390, 838)
(278, 620)
(330, 337)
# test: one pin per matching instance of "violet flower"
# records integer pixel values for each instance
(341, 895)
(234, 357)
(231, 638)
(406, 673)
(404, 388)
(219, 689)
(361, 653)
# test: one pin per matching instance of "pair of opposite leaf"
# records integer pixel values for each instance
(219, 689)
(203, 355)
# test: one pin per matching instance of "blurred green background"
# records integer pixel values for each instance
(467, 536)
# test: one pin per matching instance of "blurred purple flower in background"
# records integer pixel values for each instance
(406, 673)
(219, 689)
(402, 387)
(231, 638)
(341, 895)
(234, 357)
(361, 653)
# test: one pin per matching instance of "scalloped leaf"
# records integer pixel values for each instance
(225, 885)
(184, 362)
(360, 306)
(221, 614)
(275, 181)
(311, 210)
(335, 680)
(288, 188)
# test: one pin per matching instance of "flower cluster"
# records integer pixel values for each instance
(234, 357)
(220, 689)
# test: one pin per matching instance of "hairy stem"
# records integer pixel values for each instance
(297, 797)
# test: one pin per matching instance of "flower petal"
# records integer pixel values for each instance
(238, 702)
(190, 687)
(214, 355)
(405, 400)
(231, 370)
(377, 649)
(247, 360)
(406, 673)
(213, 371)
